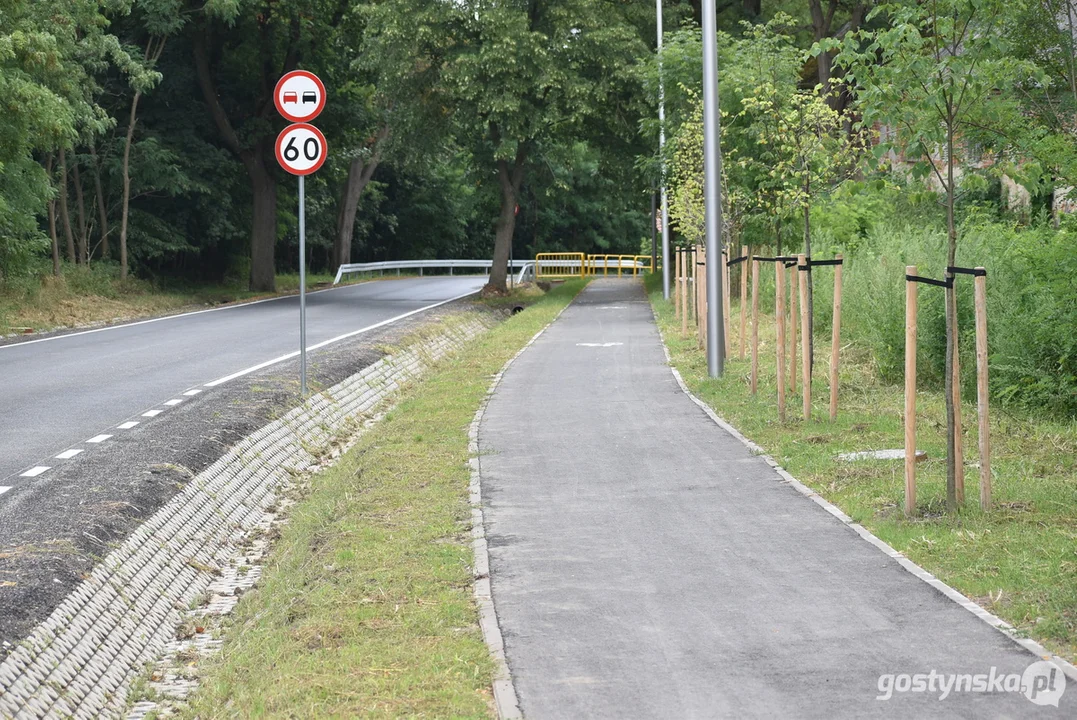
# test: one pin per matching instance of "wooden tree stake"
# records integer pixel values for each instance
(677, 285)
(959, 440)
(805, 337)
(725, 301)
(981, 391)
(835, 342)
(743, 296)
(793, 331)
(684, 255)
(779, 314)
(755, 325)
(910, 392)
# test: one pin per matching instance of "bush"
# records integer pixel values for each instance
(1032, 306)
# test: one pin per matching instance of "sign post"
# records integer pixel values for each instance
(301, 149)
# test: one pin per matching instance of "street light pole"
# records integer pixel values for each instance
(661, 150)
(712, 194)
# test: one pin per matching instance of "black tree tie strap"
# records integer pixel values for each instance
(734, 261)
(978, 272)
(818, 263)
(948, 282)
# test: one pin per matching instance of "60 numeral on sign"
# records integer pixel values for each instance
(301, 149)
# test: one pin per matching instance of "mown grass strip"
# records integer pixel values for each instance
(1019, 561)
(366, 605)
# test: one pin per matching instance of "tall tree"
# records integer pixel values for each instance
(526, 76)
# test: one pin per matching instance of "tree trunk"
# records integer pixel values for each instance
(359, 174)
(80, 207)
(102, 211)
(65, 217)
(263, 180)
(752, 8)
(506, 223)
(263, 222)
(52, 223)
(125, 201)
(951, 324)
(778, 237)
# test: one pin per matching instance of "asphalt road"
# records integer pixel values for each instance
(56, 393)
(645, 564)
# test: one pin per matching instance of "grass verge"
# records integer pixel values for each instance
(1019, 560)
(366, 606)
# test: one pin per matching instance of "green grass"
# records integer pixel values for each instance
(366, 608)
(1019, 560)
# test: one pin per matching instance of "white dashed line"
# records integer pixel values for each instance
(174, 401)
(3, 489)
(68, 454)
(98, 438)
(152, 413)
(35, 471)
(127, 425)
(189, 393)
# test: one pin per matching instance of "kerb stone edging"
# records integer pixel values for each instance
(506, 702)
(80, 661)
(993, 620)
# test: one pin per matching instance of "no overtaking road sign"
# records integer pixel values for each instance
(299, 96)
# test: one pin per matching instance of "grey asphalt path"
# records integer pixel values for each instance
(59, 392)
(646, 565)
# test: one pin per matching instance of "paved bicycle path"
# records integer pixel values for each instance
(646, 565)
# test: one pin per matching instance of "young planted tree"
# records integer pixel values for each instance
(937, 72)
(809, 153)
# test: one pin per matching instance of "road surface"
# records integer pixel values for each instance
(61, 391)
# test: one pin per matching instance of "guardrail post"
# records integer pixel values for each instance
(910, 392)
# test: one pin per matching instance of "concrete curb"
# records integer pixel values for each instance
(993, 620)
(506, 701)
(81, 661)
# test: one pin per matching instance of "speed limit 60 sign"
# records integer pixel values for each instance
(301, 149)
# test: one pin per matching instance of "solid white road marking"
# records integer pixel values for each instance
(609, 344)
(330, 341)
(68, 454)
(173, 317)
(127, 425)
(3, 489)
(35, 471)
(192, 392)
(98, 438)
(152, 413)
(174, 401)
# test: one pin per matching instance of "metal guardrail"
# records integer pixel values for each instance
(422, 265)
(560, 265)
(545, 265)
(604, 264)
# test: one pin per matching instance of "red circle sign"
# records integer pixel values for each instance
(301, 149)
(299, 96)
